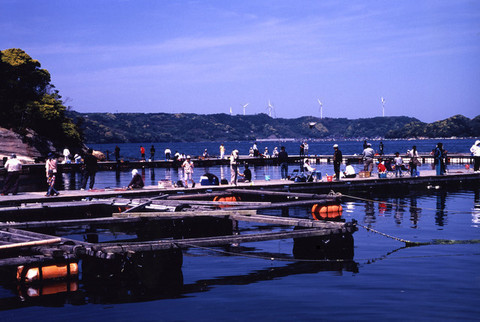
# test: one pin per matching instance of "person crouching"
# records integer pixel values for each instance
(136, 182)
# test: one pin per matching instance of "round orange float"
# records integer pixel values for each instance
(226, 199)
(322, 212)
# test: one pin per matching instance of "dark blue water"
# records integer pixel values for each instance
(386, 281)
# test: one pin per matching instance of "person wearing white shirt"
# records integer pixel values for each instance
(475, 149)
(13, 167)
(349, 171)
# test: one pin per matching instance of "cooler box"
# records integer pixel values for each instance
(364, 174)
(382, 175)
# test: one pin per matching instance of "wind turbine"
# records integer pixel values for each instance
(231, 111)
(244, 107)
(383, 107)
(321, 108)
(271, 109)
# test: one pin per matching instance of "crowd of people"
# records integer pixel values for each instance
(370, 158)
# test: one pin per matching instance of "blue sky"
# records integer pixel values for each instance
(204, 57)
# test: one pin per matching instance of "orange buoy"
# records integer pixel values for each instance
(322, 212)
(226, 199)
(46, 272)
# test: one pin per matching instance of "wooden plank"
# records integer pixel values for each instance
(31, 260)
(181, 214)
(44, 236)
(209, 203)
(286, 194)
(31, 243)
(68, 222)
(198, 195)
(288, 204)
(287, 221)
(211, 241)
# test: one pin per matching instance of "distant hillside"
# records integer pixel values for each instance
(163, 127)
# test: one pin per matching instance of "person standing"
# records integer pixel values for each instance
(234, 167)
(117, 153)
(66, 155)
(398, 164)
(337, 161)
(380, 147)
(305, 148)
(413, 154)
(365, 144)
(89, 170)
(13, 166)
(222, 151)
(439, 155)
(475, 150)
(168, 154)
(51, 184)
(188, 171)
(152, 153)
(256, 153)
(283, 160)
(50, 164)
(302, 150)
(368, 154)
(142, 152)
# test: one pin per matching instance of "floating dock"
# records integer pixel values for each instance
(123, 165)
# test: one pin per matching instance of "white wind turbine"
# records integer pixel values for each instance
(231, 111)
(244, 107)
(271, 109)
(383, 107)
(321, 108)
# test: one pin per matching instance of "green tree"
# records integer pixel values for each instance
(29, 100)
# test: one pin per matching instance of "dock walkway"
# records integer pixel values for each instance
(424, 181)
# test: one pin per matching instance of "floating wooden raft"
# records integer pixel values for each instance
(36, 247)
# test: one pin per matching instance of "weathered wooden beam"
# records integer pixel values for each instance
(68, 222)
(182, 214)
(34, 259)
(211, 241)
(209, 203)
(285, 194)
(288, 204)
(198, 196)
(287, 221)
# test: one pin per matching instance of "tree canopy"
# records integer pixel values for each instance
(28, 100)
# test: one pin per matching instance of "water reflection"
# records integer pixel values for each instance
(440, 208)
(414, 211)
(476, 209)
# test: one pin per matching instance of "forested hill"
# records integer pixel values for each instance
(163, 127)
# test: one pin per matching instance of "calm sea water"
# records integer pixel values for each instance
(386, 281)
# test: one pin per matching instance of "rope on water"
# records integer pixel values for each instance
(408, 243)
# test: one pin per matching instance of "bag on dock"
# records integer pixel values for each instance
(209, 179)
